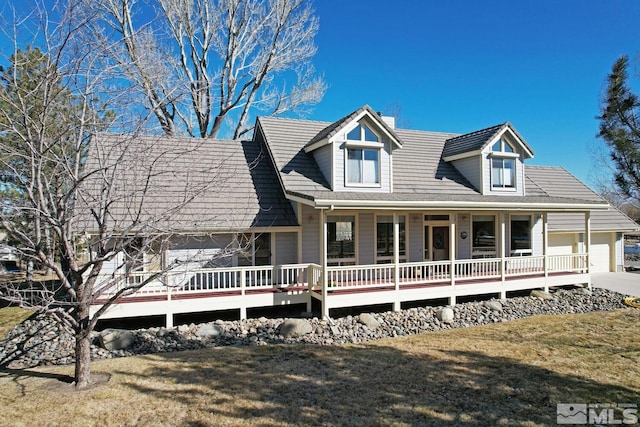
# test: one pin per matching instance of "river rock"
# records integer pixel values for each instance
(208, 330)
(445, 315)
(292, 328)
(493, 305)
(369, 321)
(541, 294)
(116, 339)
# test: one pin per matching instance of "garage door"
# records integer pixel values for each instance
(600, 259)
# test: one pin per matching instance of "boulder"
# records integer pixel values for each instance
(292, 328)
(541, 294)
(369, 321)
(493, 305)
(445, 315)
(116, 339)
(208, 330)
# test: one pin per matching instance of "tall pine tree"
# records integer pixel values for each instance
(620, 128)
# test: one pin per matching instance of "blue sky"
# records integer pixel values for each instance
(459, 66)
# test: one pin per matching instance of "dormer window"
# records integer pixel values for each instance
(363, 157)
(362, 133)
(502, 146)
(503, 165)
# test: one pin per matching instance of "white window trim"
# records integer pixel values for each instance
(503, 156)
(347, 183)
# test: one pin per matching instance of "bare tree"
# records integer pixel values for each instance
(75, 199)
(211, 63)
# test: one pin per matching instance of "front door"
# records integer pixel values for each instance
(436, 243)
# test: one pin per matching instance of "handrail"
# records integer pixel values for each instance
(347, 277)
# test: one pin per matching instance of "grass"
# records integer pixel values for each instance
(10, 317)
(504, 374)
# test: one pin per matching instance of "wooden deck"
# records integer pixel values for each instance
(265, 286)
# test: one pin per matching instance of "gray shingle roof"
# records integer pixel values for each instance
(477, 140)
(335, 127)
(186, 184)
(558, 182)
(419, 173)
(418, 167)
(471, 141)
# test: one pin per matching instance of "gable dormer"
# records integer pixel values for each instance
(355, 153)
(491, 159)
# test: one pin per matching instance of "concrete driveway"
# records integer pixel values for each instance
(625, 283)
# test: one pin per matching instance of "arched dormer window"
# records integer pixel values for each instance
(363, 157)
(503, 165)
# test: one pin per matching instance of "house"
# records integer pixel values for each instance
(357, 212)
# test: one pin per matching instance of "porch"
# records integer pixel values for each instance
(241, 288)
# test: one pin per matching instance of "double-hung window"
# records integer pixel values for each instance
(363, 156)
(503, 165)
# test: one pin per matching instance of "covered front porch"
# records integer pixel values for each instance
(241, 288)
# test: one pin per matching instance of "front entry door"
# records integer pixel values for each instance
(436, 243)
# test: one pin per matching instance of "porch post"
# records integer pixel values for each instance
(452, 257)
(299, 249)
(587, 245)
(545, 248)
(243, 287)
(169, 313)
(503, 252)
(323, 262)
(396, 261)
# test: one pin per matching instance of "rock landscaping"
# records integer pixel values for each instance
(42, 341)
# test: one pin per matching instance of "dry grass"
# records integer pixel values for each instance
(10, 317)
(505, 374)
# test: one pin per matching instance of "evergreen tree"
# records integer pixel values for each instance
(620, 129)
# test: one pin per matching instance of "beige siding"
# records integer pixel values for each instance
(561, 243)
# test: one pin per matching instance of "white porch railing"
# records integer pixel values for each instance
(242, 279)
(215, 280)
(429, 272)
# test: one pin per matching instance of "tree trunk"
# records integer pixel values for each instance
(83, 349)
